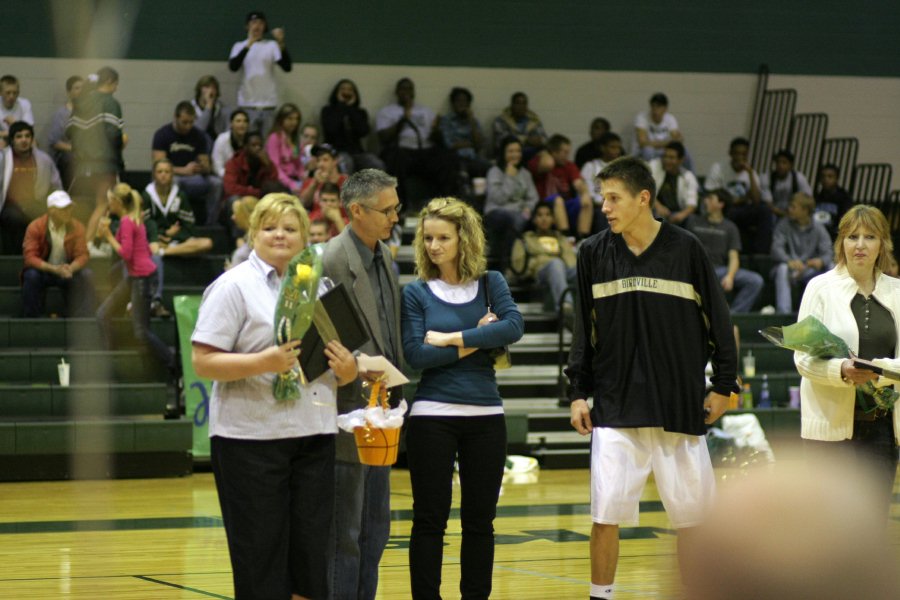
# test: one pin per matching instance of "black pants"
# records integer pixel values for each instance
(277, 500)
(872, 442)
(433, 444)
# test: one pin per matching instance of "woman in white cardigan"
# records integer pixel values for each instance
(861, 305)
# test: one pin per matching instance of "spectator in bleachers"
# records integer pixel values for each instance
(518, 121)
(309, 137)
(27, 176)
(96, 131)
(408, 137)
(12, 107)
(462, 133)
(778, 187)
(655, 128)
(319, 231)
(188, 150)
(250, 171)
(747, 210)
(802, 249)
(557, 176)
(240, 216)
(676, 187)
(168, 208)
(610, 145)
(284, 148)
(58, 144)
(212, 117)
(510, 196)
(326, 172)
(590, 150)
(345, 125)
(546, 256)
(832, 201)
(130, 243)
(329, 208)
(55, 255)
(274, 461)
(231, 141)
(722, 241)
(258, 93)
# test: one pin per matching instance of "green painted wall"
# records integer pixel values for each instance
(816, 37)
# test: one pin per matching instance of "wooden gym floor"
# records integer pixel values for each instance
(163, 538)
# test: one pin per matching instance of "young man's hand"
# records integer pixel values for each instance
(715, 405)
(581, 417)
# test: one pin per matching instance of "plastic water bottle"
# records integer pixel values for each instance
(764, 400)
(747, 398)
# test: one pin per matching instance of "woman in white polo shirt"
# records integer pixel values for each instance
(273, 460)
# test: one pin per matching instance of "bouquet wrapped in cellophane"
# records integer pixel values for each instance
(812, 337)
(294, 313)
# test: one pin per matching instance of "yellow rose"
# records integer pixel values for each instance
(302, 273)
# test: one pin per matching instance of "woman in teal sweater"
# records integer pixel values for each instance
(457, 412)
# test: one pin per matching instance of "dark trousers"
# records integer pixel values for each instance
(277, 500)
(503, 226)
(77, 291)
(137, 291)
(437, 165)
(872, 442)
(433, 444)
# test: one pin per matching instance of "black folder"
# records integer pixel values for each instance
(349, 326)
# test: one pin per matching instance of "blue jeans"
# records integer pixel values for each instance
(362, 525)
(747, 287)
(785, 282)
(556, 276)
(205, 188)
(78, 292)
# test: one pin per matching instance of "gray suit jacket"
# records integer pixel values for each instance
(342, 264)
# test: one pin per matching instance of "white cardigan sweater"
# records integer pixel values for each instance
(827, 402)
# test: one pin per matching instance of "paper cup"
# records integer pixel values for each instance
(479, 185)
(63, 369)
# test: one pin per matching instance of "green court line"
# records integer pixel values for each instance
(182, 587)
(543, 510)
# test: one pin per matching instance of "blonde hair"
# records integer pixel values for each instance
(274, 206)
(804, 201)
(130, 199)
(471, 260)
(242, 209)
(872, 219)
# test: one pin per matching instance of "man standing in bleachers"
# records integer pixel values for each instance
(188, 149)
(27, 176)
(258, 94)
(56, 255)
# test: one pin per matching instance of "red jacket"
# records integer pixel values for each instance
(237, 176)
(36, 247)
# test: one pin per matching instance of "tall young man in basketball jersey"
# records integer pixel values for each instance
(651, 315)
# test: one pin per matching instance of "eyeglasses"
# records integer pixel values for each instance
(393, 210)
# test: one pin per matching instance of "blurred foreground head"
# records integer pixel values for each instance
(804, 531)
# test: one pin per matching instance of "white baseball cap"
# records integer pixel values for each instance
(58, 199)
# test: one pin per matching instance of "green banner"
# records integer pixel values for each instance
(197, 391)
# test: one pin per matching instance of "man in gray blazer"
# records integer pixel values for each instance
(359, 259)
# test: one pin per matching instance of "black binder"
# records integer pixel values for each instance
(348, 324)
